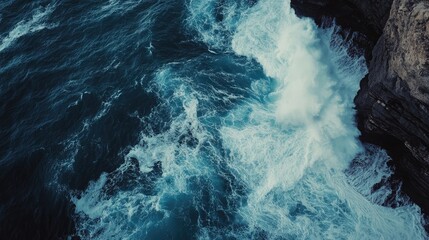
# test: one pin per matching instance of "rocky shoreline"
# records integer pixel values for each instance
(393, 102)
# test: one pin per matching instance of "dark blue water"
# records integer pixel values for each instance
(176, 119)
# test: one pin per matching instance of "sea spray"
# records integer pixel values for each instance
(260, 154)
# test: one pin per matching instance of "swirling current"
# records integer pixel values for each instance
(186, 119)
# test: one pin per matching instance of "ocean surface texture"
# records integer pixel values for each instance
(186, 119)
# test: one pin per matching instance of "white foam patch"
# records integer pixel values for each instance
(316, 86)
(24, 27)
(288, 149)
(214, 21)
(368, 169)
(292, 154)
(293, 196)
(133, 214)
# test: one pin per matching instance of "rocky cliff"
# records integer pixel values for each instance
(393, 103)
(365, 16)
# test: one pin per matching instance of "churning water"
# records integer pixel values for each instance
(197, 119)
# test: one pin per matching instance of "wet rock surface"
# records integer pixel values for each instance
(393, 102)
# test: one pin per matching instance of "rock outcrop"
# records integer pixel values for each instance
(366, 17)
(393, 102)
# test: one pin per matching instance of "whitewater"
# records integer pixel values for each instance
(249, 130)
(275, 166)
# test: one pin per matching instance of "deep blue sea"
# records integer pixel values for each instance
(186, 119)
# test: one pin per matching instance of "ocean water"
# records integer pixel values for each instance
(186, 119)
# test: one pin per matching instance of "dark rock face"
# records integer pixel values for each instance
(393, 102)
(366, 17)
(375, 12)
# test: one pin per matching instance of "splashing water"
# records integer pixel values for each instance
(253, 143)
